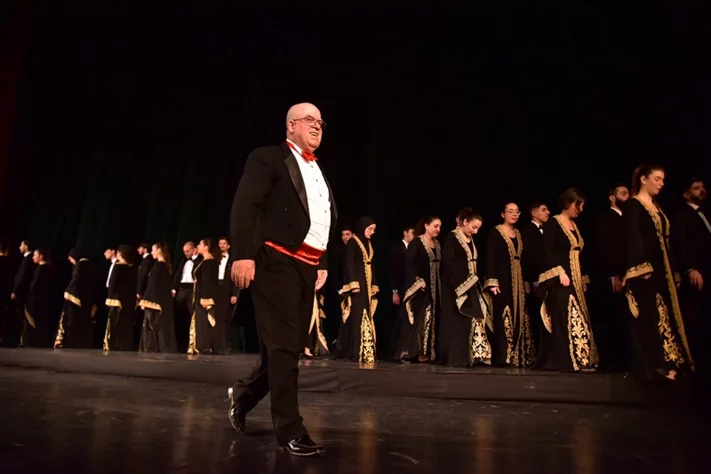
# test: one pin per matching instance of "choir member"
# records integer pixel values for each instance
(397, 265)
(532, 262)
(513, 343)
(228, 290)
(691, 241)
(183, 284)
(20, 288)
(76, 322)
(660, 347)
(206, 328)
(158, 328)
(569, 344)
(421, 300)
(357, 337)
(121, 301)
(144, 268)
(463, 337)
(317, 346)
(610, 324)
(6, 274)
(38, 310)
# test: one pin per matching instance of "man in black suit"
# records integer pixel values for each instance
(183, 282)
(284, 192)
(228, 290)
(611, 324)
(144, 268)
(691, 241)
(532, 262)
(397, 268)
(20, 290)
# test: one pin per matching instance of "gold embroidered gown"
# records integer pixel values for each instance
(121, 302)
(356, 337)
(317, 341)
(421, 300)
(158, 328)
(76, 321)
(206, 328)
(658, 337)
(513, 338)
(38, 308)
(567, 342)
(463, 338)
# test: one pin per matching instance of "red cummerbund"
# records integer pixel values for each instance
(305, 253)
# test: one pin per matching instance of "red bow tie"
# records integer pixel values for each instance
(304, 154)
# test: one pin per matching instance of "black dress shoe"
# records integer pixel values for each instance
(238, 418)
(303, 446)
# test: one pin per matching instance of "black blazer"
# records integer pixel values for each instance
(691, 240)
(611, 244)
(178, 274)
(397, 267)
(271, 204)
(23, 277)
(533, 256)
(144, 268)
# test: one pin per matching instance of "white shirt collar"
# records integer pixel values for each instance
(193, 257)
(145, 255)
(536, 224)
(693, 206)
(406, 243)
(616, 210)
(296, 147)
(113, 260)
(26, 254)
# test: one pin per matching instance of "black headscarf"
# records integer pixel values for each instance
(363, 223)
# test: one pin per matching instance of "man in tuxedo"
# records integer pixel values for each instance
(532, 260)
(144, 268)
(397, 269)
(691, 242)
(283, 190)
(183, 282)
(20, 290)
(611, 325)
(228, 290)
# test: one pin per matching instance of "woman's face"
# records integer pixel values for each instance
(155, 252)
(202, 248)
(433, 228)
(471, 227)
(575, 209)
(72, 261)
(369, 231)
(511, 213)
(36, 258)
(653, 183)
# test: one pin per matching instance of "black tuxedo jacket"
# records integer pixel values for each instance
(397, 267)
(23, 277)
(178, 275)
(533, 253)
(611, 242)
(271, 204)
(234, 291)
(691, 240)
(144, 268)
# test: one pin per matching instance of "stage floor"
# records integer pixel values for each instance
(382, 379)
(80, 423)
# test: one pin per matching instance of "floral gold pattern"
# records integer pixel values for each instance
(72, 299)
(508, 330)
(367, 339)
(479, 347)
(637, 271)
(579, 337)
(490, 282)
(113, 303)
(554, 272)
(632, 303)
(59, 339)
(145, 304)
(672, 352)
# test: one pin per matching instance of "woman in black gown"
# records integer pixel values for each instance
(38, 309)
(463, 337)
(317, 346)
(660, 347)
(121, 302)
(357, 338)
(207, 330)
(421, 300)
(567, 342)
(504, 279)
(76, 322)
(158, 328)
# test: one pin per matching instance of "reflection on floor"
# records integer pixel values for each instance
(102, 424)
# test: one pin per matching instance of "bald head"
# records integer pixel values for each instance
(304, 126)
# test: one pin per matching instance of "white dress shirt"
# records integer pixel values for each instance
(319, 200)
(405, 243)
(188, 271)
(540, 226)
(616, 210)
(223, 267)
(26, 254)
(111, 269)
(701, 215)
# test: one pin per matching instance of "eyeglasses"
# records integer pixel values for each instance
(513, 211)
(312, 122)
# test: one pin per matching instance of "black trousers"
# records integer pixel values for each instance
(283, 292)
(183, 315)
(695, 308)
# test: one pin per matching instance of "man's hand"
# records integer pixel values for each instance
(13, 296)
(564, 280)
(233, 300)
(172, 292)
(697, 281)
(321, 279)
(138, 296)
(243, 273)
(495, 290)
(396, 299)
(616, 284)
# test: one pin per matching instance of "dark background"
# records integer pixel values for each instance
(134, 124)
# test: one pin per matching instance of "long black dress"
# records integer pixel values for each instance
(75, 324)
(463, 339)
(38, 308)
(659, 339)
(514, 344)
(357, 338)
(317, 341)
(568, 343)
(207, 329)
(421, 300)
(158, 328)
(121, 302)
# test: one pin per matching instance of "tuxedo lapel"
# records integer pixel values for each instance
(295, 174)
